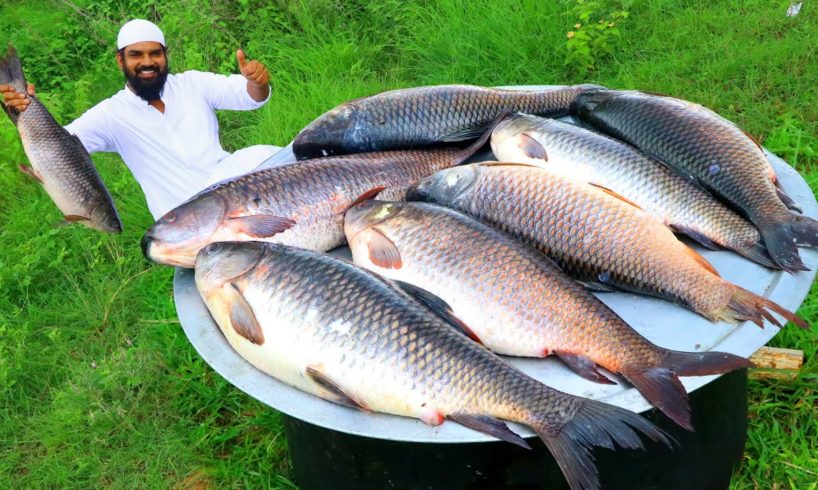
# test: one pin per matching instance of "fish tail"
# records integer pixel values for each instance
(661, 386)
(782, 238)
(746, 305)
(595, 424)
(11, 72)
(758, 253)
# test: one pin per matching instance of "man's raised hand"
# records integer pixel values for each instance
(15, 100)
(254, 71)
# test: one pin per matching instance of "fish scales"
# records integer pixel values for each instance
(518, 302)
(698, 142)
(588, 156)
(422, 116)
(597, 238)
(388, 353)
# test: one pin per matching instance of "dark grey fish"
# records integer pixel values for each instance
(422, 116)
(344, 334)
(58, 159)
(719, 155)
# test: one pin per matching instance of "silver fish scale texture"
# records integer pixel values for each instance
(315, 193)
(653, 186)
(429, 114)
(392, 332)
(467, 258)
(64, 166)
(704, 145)
(593, 238)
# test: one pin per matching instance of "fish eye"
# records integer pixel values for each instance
(170, 217)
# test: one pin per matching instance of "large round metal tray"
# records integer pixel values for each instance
(663, 323)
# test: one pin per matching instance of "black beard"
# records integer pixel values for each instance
(147, 90)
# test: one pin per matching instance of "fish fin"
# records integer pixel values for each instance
(242, 318)
(339, 396)
(746, 305)
(701, 261)
(758, 253)
(782, 238)
(594, 424)
(752, 138)
(663, 389)
(73, 138)
(588, 100)
(583, 367)
(73, 218)
(462, 135)
(489, 425)
(473, 148)
(382, 251)
(698, 236)
(785, 199)
(11, 72)
(505, 164)
(366, 196)
(28, 170)
(600, 287)
(438, 306)
(260, 225)
(615, 194)
(531, 147)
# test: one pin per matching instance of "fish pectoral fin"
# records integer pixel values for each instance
(463, 135)
(701, 261)
(242, 318)
(337, 393)
(260, 225)
(489, 425)
(531, 147)
(696, 235)
(439, 307)
(616, 195)
(583, 367)
(599, 287)
(382, 251)
(73, 218)
(366, 196)
(30, 172)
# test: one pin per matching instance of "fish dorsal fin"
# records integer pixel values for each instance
(489, 425)
(473, 148)
(531, 147)
(439, 307)
(77, 142)
(366, 196)
(701, 238)
(382, 251)
(505, 164)
(260, 225)
(701, 261)
(753, 140)
(242, 318)
(616, 195)
(339, 396)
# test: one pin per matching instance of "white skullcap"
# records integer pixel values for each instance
(139, 30)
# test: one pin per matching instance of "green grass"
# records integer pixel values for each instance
(99, 387)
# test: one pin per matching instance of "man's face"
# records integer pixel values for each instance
(145, 67)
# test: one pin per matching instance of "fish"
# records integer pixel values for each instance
(599, 239)
(422, 116)
(518, 302)
(59, 161)
(300, 204)
(720, 156)
(579, 153)
(349, 336)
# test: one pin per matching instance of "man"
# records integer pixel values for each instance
(164, 126)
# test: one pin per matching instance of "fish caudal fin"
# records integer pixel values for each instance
(661, 385)
(746, 305)
(782, 239)
(595, 424)
(11, 72)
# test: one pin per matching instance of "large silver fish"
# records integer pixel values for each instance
(422, 116)
(591, 157)
(58, 160)
(300, 204)
(349, 336)
(700, 143)
(518, 302)
(597, 238)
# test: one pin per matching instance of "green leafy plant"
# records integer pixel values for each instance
(594, 33)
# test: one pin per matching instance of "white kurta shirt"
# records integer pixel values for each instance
(171, 155)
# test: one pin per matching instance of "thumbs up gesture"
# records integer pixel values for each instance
(254, 71)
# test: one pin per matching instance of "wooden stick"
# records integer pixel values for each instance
(776, 363)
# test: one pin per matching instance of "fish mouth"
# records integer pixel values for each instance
(147, 240)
